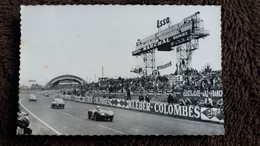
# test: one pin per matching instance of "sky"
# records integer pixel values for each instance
(79, 40)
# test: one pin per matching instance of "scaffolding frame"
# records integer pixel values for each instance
(149, 62)
(190, 30)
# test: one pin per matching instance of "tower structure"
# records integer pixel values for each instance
(182, 37)
(149, 62)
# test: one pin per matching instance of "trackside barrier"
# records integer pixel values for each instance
(193, 112)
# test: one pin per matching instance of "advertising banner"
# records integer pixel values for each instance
(174, 110)
(176, 39)
(67, 96)
(212, 114)
(120, 103)
(88, 99)
(164, 66)
(213, 93)
(103, 101)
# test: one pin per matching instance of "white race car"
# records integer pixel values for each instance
(32, 97)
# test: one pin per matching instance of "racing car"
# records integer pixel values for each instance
(57, 103)
(46, 94)
(32, 97)
(100, 114)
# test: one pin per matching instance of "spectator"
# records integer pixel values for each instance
(141, 97)
(148, 98)
(220, 103)
(208, 102)
(170, 99)
(128, 94)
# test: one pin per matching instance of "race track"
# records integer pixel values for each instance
(73, 120)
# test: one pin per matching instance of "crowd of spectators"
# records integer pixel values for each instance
(201, 81)
(206, 80)
(190, 81)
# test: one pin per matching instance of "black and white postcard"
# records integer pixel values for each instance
(120, 70)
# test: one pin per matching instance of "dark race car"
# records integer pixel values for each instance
(58, 103)
(100, 114)
(32, 97)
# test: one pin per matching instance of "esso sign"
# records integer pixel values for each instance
(160, 23)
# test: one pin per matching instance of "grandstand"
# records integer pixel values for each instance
(191, 80)
(194, 85)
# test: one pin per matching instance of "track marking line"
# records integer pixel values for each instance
(81, 117)
(111, 129)
(67, 114)
(58, 133)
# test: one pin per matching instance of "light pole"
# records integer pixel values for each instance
(102, 72)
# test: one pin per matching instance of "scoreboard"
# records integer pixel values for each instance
(169, 37)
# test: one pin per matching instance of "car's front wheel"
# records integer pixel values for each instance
(111, 119)
(89, 116)
(95, 117)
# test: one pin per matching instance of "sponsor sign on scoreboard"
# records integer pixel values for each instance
(175, 40)
(169, 37)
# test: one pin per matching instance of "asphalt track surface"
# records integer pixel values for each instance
(73, 120)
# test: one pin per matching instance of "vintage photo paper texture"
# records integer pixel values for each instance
(120, 70)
